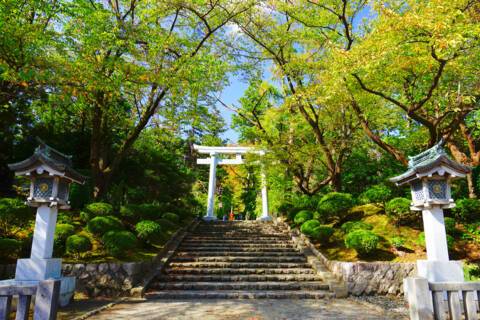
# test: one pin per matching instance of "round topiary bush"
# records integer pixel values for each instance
(63, 231)
(450, 226)
(128, 213)
(9, 248)
(322, 233)
(335, 205)
(171, 217)
(284, 208)
(308, 226)
(421, 239)
(101, 225)
(379, 193)
(149, 231)
(148, 211)
(167, 225)
(77, 244)
(467, 210)
(99, 209)
(363, 241)
(302, 216)
(398, 209)
(119, 243)
(350, 226)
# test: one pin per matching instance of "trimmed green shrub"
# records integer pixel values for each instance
(398, 209)
(128, 213)
(9, 247)
(322, 233)
(149, 231)
(101, 225)
(350, 226)
(171, 217)
(77, 244)
(467, 210)
(291, 214)
(167, 225)
(148, 211)
(450, 226)
(363, 241)
(303, 216)
(13, 214)
(421, 239)
(308, 226)
(284, 209)
(376, 194)
(63, 231)
(397, 242)
(119, 243)
(450, 242)
(335, 205)
(64, 217)
(85, 216)
(99, 209)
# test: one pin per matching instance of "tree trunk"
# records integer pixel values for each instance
(471, 186)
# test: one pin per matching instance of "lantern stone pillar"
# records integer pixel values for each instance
(429, 175)
(212, 183)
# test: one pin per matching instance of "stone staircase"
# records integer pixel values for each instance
(239, 259)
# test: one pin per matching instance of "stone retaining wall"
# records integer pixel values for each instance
(107, 279)
(100, 279)
(363, 278)
(368, 278)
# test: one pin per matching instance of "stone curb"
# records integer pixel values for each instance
(100, 309)
(163, 257)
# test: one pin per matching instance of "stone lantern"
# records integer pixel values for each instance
(50, 173)
(429, 175)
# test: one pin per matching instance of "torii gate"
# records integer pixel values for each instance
(214, 160)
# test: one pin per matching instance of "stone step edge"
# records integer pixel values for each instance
(240, 294)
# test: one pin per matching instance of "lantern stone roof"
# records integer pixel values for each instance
(433, 160)
(44, 155)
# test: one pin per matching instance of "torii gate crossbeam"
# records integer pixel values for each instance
(214, 160)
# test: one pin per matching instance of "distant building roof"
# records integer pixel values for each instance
(50, 157)
(423, 163)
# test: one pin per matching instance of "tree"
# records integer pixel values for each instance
(419, 60)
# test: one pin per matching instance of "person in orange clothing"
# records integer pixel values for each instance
(232, 216)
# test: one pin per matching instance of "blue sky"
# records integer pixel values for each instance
(230, 95)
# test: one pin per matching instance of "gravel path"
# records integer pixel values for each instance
(246, 309)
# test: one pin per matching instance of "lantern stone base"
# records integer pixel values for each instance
(32, 270)
(440, 271)
(209, 218)
(267, 218)
(67, 288)
(38, 269)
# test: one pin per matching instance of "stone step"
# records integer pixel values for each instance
(237, 271)
(260, 285)
(238, 278)
(239, 265)
(236, 239)
(239, 241)
(229, 259)
(236, 249)
(230, 294)
(241, 233)
(231, 246)
(238, 253)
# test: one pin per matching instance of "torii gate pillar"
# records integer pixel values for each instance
(212, 183)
